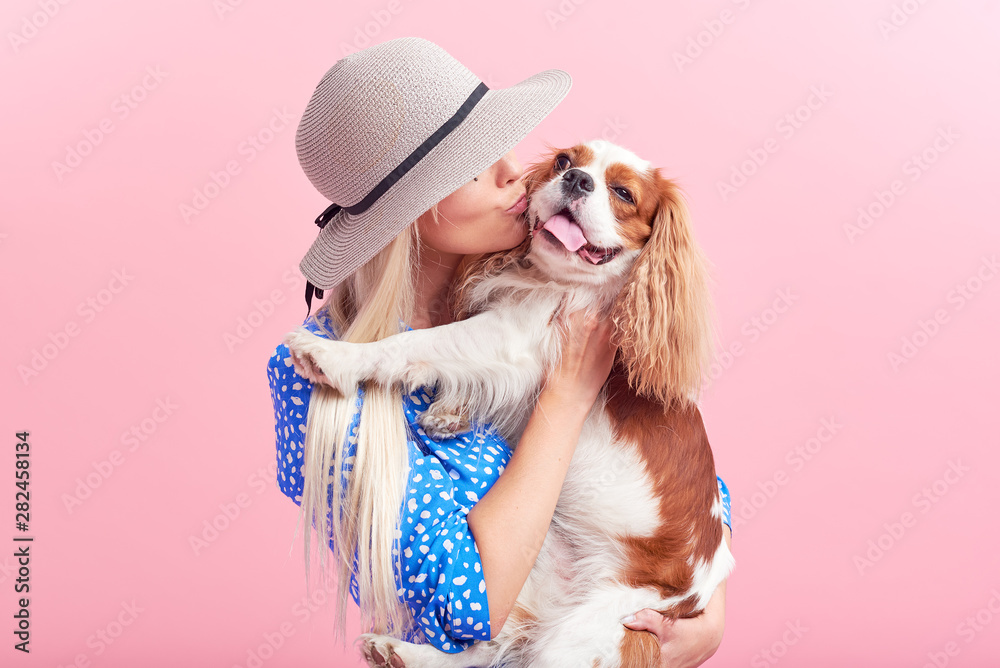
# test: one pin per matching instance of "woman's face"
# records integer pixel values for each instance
(482, 216)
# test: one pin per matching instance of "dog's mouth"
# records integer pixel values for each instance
(562, 227)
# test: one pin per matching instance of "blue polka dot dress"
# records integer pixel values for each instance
(442, 580)
(726, 515)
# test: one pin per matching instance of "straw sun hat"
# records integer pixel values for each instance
(392, 130)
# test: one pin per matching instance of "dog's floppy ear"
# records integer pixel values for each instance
(663, 315)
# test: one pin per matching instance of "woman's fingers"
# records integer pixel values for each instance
(587, 354)
(652, 621)
(684, 643)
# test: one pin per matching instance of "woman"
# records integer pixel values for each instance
(436, 539)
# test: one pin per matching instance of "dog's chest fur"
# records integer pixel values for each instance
(607, 491)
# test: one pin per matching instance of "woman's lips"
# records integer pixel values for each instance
(519, 206)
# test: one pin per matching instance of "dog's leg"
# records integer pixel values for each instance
(590, 632)
(483, 362)
(392, 653)
(503, 650)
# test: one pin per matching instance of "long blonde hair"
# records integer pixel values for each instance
(369, 305)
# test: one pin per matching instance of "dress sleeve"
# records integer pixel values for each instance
(443, 581)
(290, 394)
(726, 509)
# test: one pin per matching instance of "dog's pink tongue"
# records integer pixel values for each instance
(566, 231)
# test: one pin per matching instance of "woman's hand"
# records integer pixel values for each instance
(687, 642)
(587, 356)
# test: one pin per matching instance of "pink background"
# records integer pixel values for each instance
(831, 570)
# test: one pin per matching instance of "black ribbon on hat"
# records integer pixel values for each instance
(322, 220)
(396, 174)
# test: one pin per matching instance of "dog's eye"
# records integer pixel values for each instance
(624, 194)
(563, 162)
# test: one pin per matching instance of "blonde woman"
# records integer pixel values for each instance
(435, 539)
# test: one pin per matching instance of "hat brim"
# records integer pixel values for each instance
(500, 120)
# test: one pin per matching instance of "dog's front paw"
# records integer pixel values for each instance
(381, 651)
(302, 360)
(441, 423)
(322, 361)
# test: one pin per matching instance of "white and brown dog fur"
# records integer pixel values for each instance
(639, 519)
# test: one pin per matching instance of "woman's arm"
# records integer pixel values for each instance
(510, 522)
(688, 642)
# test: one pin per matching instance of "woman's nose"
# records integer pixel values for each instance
(509, 168)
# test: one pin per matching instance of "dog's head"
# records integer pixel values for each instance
(601, 216)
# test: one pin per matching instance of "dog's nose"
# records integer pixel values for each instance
(577, 183)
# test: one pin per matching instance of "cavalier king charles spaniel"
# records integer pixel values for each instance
(639, 522)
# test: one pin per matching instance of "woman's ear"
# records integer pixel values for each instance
(663, 316)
